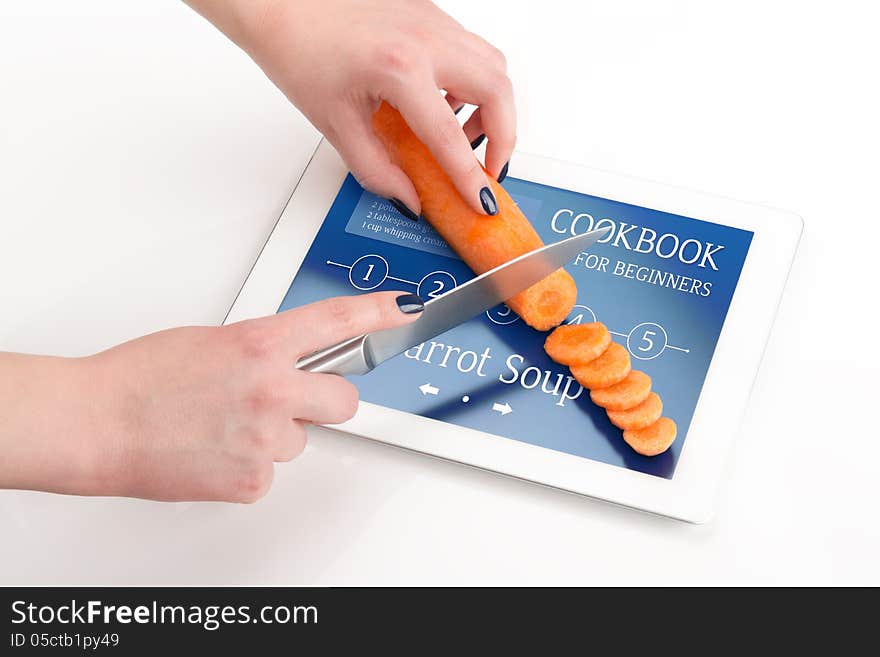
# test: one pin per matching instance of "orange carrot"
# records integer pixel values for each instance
(482, 242)
(639, 416)
(653, 439)
(606, 370)
(577, 343)
(632, 391)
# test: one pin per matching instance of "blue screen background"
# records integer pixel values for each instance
(365, 245)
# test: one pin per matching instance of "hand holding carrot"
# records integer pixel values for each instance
(336, 60)
(203, 413)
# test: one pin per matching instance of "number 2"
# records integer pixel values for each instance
(437, 291)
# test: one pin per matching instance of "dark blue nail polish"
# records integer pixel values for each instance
(410, 304)
(487, 198)
(475, 144)
(402, 209)
(503, 174)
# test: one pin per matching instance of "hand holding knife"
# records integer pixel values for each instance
(361, 354)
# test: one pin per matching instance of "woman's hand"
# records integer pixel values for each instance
(337, 59)
(197, 413)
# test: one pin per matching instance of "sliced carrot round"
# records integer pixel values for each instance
(547, 302)
(611, 367)
(577, 343)
(638, 417)
(653, 439)
(632, 391)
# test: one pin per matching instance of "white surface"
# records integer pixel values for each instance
(690, 494)
(148, 159)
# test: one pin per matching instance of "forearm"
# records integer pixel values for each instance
(50, 417)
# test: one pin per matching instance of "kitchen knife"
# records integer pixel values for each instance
(361, 354)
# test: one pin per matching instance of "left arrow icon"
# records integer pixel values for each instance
(428, 389)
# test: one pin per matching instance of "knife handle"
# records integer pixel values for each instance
(344, 358)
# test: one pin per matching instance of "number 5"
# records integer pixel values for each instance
(647, 339)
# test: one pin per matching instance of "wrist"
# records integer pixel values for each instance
(99, 435)
(242, 21)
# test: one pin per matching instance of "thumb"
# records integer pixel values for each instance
(371, 165)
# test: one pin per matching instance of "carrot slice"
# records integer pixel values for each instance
(606, 370)
(653, 439)
(577, 343)
(482, 242)
(632, 391)
(638, 417)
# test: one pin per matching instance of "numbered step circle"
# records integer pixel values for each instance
(435, 284)
(368, 272)
(580, 315)
(647, 341)
(502, 315)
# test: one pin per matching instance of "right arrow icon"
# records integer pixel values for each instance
(504, 408)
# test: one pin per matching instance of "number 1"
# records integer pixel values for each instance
(369, 271)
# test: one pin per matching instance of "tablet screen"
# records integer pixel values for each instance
(661, 283)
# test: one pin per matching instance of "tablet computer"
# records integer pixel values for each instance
(689, 283)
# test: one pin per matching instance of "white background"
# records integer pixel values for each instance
(144, 160)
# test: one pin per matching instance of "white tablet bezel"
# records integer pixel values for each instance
(689, 494)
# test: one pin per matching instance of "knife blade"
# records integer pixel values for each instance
(361, 354)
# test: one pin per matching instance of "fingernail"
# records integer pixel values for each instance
(475, 144)
(400, 206)
(410, 304)
(487, 198)
(459, 109)
(503, 174)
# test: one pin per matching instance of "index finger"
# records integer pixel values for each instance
(432, 120)
(324, 323)
(489, 88)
